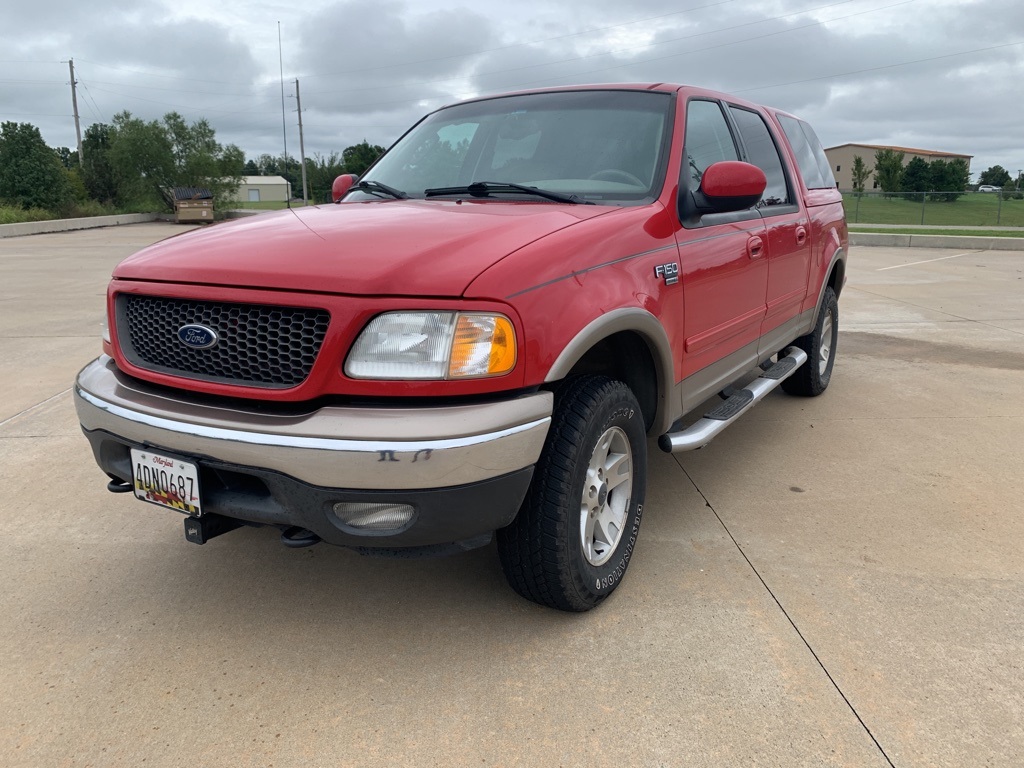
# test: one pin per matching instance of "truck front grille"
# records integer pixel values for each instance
(257, 345)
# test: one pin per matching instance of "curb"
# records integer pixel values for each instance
(95, 222)
(961, 242)
(67, 225)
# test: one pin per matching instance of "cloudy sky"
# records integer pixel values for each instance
(934, 74)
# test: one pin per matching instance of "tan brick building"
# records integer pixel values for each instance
(841, 160)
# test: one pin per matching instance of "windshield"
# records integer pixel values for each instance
(601, 146)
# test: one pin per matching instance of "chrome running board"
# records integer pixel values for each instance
(704, 430)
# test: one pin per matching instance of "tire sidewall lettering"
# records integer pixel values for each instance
(606, 583)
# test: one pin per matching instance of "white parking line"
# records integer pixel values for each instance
(926, 261)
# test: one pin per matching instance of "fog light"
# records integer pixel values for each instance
(374, 516)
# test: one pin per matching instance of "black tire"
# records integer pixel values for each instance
(812, 378)
(596, 423)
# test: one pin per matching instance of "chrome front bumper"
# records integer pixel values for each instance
(333, 447)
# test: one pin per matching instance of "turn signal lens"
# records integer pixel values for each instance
(484, 345)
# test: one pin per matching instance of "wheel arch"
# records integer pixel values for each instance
(631, 345)
(835, 278)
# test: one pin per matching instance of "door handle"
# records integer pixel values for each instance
(755, 247)
(801, 235)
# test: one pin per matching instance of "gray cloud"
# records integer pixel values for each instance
(876, 71)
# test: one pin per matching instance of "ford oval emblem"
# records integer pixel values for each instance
(197, 336)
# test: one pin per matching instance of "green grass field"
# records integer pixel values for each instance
(975, 209)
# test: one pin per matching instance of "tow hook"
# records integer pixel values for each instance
(296, 537)
(117, 485)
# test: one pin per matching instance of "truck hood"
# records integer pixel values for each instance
(399, 247)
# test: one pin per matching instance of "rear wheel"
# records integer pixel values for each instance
(812, 378)
(571, 543)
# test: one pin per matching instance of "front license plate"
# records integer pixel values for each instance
(167, 481)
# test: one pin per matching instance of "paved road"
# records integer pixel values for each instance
(834, 581)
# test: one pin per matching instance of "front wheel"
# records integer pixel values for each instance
(570, 544)
(813, 377)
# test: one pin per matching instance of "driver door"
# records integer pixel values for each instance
(723, 264)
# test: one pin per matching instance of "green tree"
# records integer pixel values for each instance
(359, 157)
(860, 172)
(996, 176)
(267, 165)
(888, 169)
(949, 179)
(97, 172)
(321, 172)
(79, 194)
(68, 157)
(199, 160)
(150, 159)
(31, 174)
(916, 178)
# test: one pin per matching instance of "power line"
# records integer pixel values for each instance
(178, 90)
(92, 102)
(155, 74)
(61, 83)
(38, 114)
(184, 107)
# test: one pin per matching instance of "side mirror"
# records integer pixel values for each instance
(730, 185)
(342, 184)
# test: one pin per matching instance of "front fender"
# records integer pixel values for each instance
(627, 319)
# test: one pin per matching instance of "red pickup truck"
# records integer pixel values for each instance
(482, 332)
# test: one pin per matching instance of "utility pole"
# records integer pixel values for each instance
(302, 145)
(74, 103)
(284, 129)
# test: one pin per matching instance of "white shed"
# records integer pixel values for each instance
(262, 189)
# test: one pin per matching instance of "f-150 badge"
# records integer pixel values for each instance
(668, 271)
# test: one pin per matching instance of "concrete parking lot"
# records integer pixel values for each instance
(835, 581)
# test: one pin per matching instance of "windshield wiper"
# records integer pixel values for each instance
(485, 188)
(376, 188)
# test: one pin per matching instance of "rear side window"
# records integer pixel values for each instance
(708, 139)
(762, 152)
(810, 156)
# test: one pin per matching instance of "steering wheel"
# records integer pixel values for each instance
(616, 174)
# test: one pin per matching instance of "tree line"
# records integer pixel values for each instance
(941, 180)
(132, 165)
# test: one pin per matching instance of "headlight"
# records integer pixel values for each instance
(433, 345)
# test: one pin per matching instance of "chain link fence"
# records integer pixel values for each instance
(940, 209)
